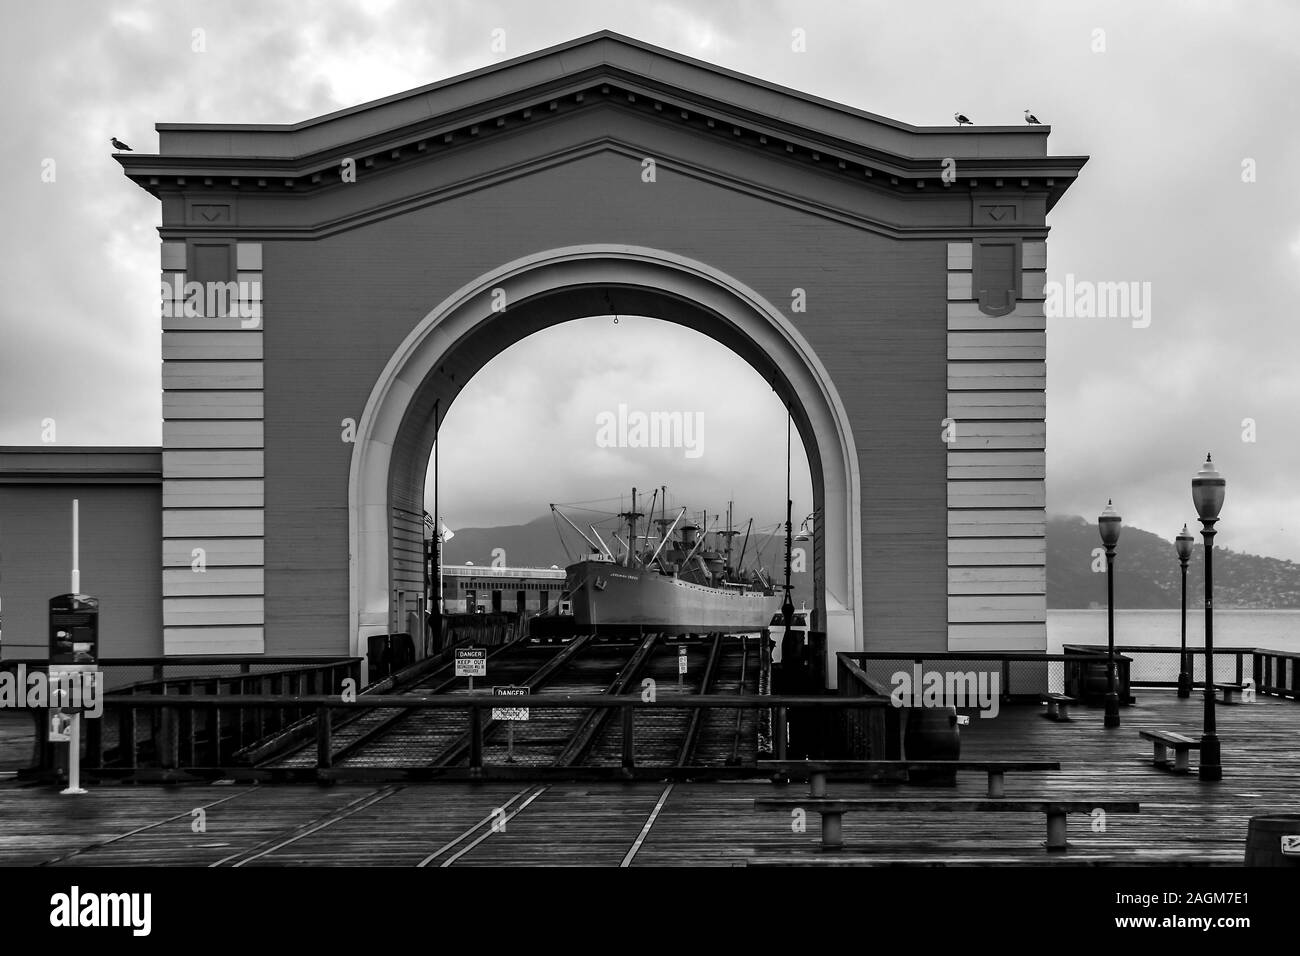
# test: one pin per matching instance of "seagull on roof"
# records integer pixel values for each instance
(1031, 119)
(119, 145)
(961, 119)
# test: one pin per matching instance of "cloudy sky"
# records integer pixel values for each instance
(1173, 103)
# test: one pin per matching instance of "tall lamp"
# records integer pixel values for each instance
(787, 605)
(1183, 546)
(1109, 524)
(1207, 495)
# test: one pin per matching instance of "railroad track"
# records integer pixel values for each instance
(559, 736)
(372, 737)
(665, 737)
(730, 737)
(396, 737)
(402, 738)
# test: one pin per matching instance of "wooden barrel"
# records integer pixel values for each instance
(1270, 837)
(932, 734)
(1096, 679)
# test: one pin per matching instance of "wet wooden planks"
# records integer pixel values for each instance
(1183, 821)
(16, 731)
(572, 825)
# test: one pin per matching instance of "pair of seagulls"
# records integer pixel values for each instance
(963, 120)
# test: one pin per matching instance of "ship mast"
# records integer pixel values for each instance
(631, 518)
(744, 545)
(649, 522)
(729, 534)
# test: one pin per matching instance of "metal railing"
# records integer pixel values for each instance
(213, 732)
(215, 676)
(201, 673)
(1275, 673)
(1021, 676)
(177, 732)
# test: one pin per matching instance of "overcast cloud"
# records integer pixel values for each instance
(1183, 94)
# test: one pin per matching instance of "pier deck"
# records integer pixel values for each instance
(1182, 820)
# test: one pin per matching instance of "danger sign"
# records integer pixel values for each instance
(509, 713)
(471, 662)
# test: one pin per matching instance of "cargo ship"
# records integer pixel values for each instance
(680, 581)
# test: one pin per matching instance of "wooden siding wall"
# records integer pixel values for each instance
(408, 557)
(997, 544)
(213, 495)
(120, 530)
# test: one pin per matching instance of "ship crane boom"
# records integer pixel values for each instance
(557, 511)
(608, 553)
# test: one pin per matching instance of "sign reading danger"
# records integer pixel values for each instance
(509, 713)
(471, 662)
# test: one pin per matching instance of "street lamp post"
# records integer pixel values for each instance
(1109, 524)
(787, 605)
(1183, 545)
(1207, 495)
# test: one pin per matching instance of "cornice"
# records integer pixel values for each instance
(694, 169)
(436, 136)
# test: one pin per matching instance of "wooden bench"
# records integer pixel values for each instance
(1180, 743)
(1229, 693)
(1058, 706)
(832, 811)
(816, 771)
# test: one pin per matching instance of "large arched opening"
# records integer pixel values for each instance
(467, 329)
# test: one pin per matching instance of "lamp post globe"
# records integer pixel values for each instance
(1207, 496)
(1109, 524)
(1183, 547)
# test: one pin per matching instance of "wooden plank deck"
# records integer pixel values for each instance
(1183, 821)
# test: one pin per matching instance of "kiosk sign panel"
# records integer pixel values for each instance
(74, 629)
(60, 727)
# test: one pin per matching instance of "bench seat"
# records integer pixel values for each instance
(1231, 693)
(832, 811)
(817, 771)
(1181, 744)
(1058, 706)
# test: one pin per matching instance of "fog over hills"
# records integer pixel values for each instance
(1146, 566)
(1147, 572)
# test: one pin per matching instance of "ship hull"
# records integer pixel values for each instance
(613, 599)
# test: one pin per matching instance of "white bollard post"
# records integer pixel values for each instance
(76, 547)
(74, 757)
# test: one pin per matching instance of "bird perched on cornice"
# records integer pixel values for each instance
(961, 119)
(119, 145)
(1031, 119)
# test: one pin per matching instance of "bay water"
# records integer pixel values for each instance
(1275, 630)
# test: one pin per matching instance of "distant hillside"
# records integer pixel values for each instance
(1146, 568)
(1147, 573)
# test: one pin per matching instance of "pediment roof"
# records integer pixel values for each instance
(602, 68)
